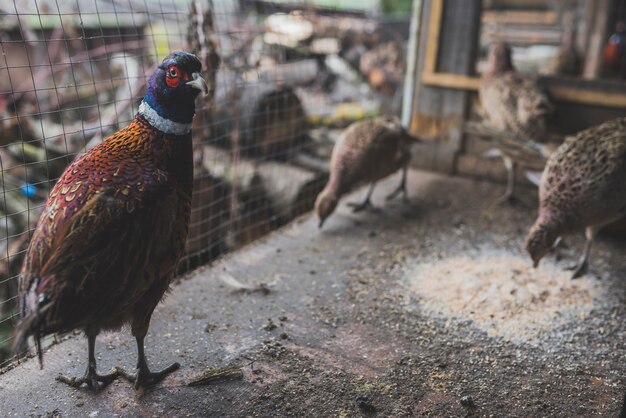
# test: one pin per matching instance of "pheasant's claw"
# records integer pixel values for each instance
(131, 377)
(358, 207)
(144, 377)
(579, 269)
(400, 189)
(92, 379)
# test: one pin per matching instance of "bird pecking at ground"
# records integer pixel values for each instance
(367, 151)
(114, 228)
(583, 186)
(512, 102)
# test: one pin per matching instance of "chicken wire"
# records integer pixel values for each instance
(73, 72)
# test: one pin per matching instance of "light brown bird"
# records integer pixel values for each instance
(583, 186)
(367, 151)
(512, 102)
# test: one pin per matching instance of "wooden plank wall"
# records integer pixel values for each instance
(438, 114)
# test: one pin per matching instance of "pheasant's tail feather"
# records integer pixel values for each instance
(31, 324)
(513, 144)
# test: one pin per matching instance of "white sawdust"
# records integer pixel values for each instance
(503, 295)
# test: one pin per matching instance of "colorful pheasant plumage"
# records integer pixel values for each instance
(583, 186)
(115, 224)
(367, 151)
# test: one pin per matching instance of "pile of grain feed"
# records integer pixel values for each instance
(502, 294)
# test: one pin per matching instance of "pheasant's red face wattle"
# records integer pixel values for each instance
(174, 75)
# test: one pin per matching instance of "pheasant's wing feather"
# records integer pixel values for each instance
(587, 172)
(514, 102)
(80, 253)
(499, 102)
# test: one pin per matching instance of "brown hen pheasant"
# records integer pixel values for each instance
(114, 227)
(367, 151)
(583, 186)
(514, 103)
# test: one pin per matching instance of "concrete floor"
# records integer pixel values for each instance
(426, 309)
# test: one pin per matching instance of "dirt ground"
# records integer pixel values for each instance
(426, 309)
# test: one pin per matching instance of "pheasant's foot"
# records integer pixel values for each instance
(144, 377)
(92, 379)
(579, 269)
(366, 204)
(397, 191)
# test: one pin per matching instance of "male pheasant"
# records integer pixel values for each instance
(583, 186)
(367, 151)
(512, 102)
(114, 227)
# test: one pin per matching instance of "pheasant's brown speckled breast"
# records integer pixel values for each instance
(514, 102)
(113, 230)
(367, 152)
(584, 181)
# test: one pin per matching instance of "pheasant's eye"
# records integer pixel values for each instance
(172, 78)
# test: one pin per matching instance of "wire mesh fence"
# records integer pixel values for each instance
(285, 77)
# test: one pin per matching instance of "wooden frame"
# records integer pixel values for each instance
(588, 94)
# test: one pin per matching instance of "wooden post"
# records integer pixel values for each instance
(598, 32)
(439, 113)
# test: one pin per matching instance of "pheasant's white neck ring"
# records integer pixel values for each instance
(166, 126)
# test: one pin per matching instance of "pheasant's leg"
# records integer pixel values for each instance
(401, 187)
(590, 233)
(558, 245)
(510, 183)
(357, 207)
(581, 268)
(94, 380)
(144, 377)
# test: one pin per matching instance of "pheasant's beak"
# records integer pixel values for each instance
(536, 261)
(199, 83)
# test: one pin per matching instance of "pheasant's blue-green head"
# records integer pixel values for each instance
(169, 102)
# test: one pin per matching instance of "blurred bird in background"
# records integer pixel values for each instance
(512, 102)
(583, 186)
(614, 54)
(114, 227)
(367, 151)
(568, 61)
